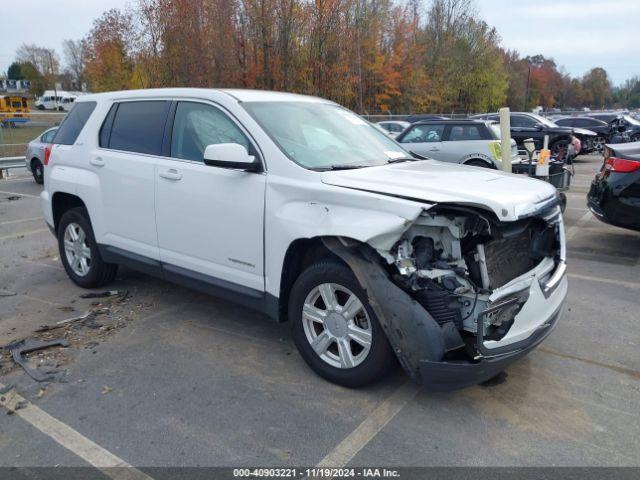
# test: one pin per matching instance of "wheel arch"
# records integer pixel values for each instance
(479, 159)
(61, 202)
(302, 253)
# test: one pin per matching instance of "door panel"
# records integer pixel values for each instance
(126, 167)
(127, 190)
(209, 219)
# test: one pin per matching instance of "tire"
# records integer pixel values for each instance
(363, 366)
(478, 163)
(38, 171)
(98, 273)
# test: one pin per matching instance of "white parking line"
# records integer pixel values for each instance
(11, 222)
(24, 234)
(344, 452)
(611, 281)
(70, 439)
(20, 194)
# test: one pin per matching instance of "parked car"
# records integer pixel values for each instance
(469, 142)
(614, 196)
(299, 208)
(393, 127)
(36, 149)
(590, 143)
(529, 125)
(617, 120)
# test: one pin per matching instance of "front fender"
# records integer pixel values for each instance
(327, 211)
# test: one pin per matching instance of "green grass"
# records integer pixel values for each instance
(20, 134)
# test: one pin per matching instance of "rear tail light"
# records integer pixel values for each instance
(47, 154)
(621, 165)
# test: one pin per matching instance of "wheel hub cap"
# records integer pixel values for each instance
(336, 324)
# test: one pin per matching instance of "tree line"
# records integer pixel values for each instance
(374, 56)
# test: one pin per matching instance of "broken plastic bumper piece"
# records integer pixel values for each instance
(445, 376)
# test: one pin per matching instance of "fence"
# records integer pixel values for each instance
(17, 130)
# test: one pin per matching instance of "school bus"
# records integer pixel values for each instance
(14, 109)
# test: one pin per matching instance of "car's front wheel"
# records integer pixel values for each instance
(79, 251)
(334, 327)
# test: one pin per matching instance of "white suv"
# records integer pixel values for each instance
(299, 208)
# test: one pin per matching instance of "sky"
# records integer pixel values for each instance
(578, 34)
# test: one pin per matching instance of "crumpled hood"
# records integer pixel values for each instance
(508, 195)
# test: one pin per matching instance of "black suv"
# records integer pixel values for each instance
(616, 120)
(529, 125)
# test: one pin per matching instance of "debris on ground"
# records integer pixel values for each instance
(13, 198)
(7, 293)
(27, 346)
(106, 389)
(108, 293)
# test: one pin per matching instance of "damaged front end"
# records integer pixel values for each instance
(461, 294)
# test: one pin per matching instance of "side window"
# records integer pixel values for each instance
(139, 126)
(73, 123)
(197, 125)
(105, 130)
(424, 134)
(521, 121)
(465, 132)
(47, 137)
(582, 122)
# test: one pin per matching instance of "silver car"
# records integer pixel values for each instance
(34, 158)
(469, 142)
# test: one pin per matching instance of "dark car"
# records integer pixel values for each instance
(614, 196)
(616, 120)
(589, 143)
(529, 125)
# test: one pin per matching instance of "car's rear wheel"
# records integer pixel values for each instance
(79, 251)
(37, 170)
(334, 327)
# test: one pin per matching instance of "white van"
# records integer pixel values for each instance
(52, 100)
(297, 207)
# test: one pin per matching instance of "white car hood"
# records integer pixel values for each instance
(508, 195)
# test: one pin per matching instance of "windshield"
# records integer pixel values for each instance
(322, 136)
(542, 120)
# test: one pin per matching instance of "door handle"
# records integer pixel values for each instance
(98, 162)
(171, 174)
(434, 149)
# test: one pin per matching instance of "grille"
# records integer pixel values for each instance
(507, 259)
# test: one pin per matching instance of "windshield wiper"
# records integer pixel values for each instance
(345, 166)
(401, 159)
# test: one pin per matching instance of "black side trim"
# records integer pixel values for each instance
(245, 296)
(132, 260)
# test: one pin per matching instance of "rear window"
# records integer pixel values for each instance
(139, 127)
(73, 123)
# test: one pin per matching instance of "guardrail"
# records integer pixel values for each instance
(7, 163)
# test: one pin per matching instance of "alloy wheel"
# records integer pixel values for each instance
(76, 249)
(337, 325)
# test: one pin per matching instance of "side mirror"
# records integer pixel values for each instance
(538, 126)
(230, 155)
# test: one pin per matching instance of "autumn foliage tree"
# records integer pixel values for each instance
(374, 56)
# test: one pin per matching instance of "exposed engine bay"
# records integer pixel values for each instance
(455, 261)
